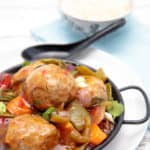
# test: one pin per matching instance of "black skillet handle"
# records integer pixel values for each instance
(147, 115)
(69, 50)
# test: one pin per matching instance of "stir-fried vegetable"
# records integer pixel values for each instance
(78, 114)
(109, 117)
(6, 95)
(97, 114)
(96, 101)
(2, 120)
(70, 67)
(66, 127)
(6, 115)
(97, 135)
(83, 70)
(78, 138)
(5, 82)
(2, 108)
(19, 106)
(101, 75)
(109, 91)
(26, 63)
(116, 109)
(46, 115)
(56, 118)
(53, 61)
(74, 72)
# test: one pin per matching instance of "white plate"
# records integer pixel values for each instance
(130, 135)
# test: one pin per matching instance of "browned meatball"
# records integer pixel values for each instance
(31, 132)
(49, 85)
(20, 76)
(23, 72)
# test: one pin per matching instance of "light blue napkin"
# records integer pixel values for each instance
(130, 43)
(59, 31)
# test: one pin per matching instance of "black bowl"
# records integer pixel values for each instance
(117, 96)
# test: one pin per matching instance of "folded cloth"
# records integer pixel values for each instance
(59, 31)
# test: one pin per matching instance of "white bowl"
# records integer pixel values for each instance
(89, 16)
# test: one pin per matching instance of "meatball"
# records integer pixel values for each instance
(23, 72)
(31, 132)
(90, 87)
(49, 85)
(19, 77)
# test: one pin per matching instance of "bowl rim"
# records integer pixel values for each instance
(82, 19)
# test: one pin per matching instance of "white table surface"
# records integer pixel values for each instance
(18, 17)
